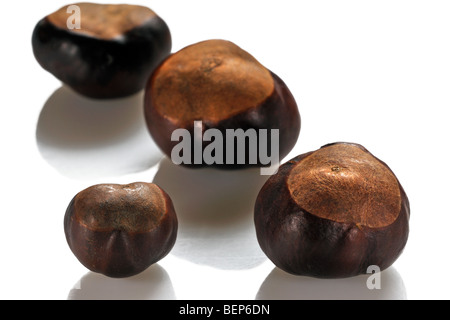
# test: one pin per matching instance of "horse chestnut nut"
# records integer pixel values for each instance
(110, 54)
(224, 88)
(120, 230)
(332, 213)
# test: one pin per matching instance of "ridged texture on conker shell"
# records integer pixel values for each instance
(120, 230)
(302, 243)
(277, 110)
(99, 62)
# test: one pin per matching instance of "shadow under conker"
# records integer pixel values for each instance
(280, 285)
(152, 284)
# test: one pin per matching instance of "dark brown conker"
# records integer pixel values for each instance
(332, 213)
(120, 230)
(111, 55)
(223, 86)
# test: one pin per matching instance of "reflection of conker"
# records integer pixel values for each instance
(120, 230)
(218, 83)
(111, 55)
(332, 213)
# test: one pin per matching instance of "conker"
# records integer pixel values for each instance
(225, 88)
(332, 213)
(110, 55)
(120, 230)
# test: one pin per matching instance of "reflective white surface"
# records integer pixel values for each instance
(375, 73)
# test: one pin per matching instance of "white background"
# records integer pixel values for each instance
(372, 72)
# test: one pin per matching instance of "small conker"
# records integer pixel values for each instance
(217, 83)
(110, 54)
(120, 230)
(332, 213)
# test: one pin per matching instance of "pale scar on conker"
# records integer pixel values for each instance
(225, 87)
(110, 54)
(120, 230)
(332, 213)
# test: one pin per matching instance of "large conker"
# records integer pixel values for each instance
(110, 54)
(223, 87)
(120, 230)
(332, 213)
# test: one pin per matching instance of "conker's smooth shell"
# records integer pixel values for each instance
(332, 213)
(225, 87)
(112, 54)
(120, 230)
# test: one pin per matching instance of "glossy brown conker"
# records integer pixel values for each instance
(110, 54)
(225, 88)
(332, 213)
(120, 230)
